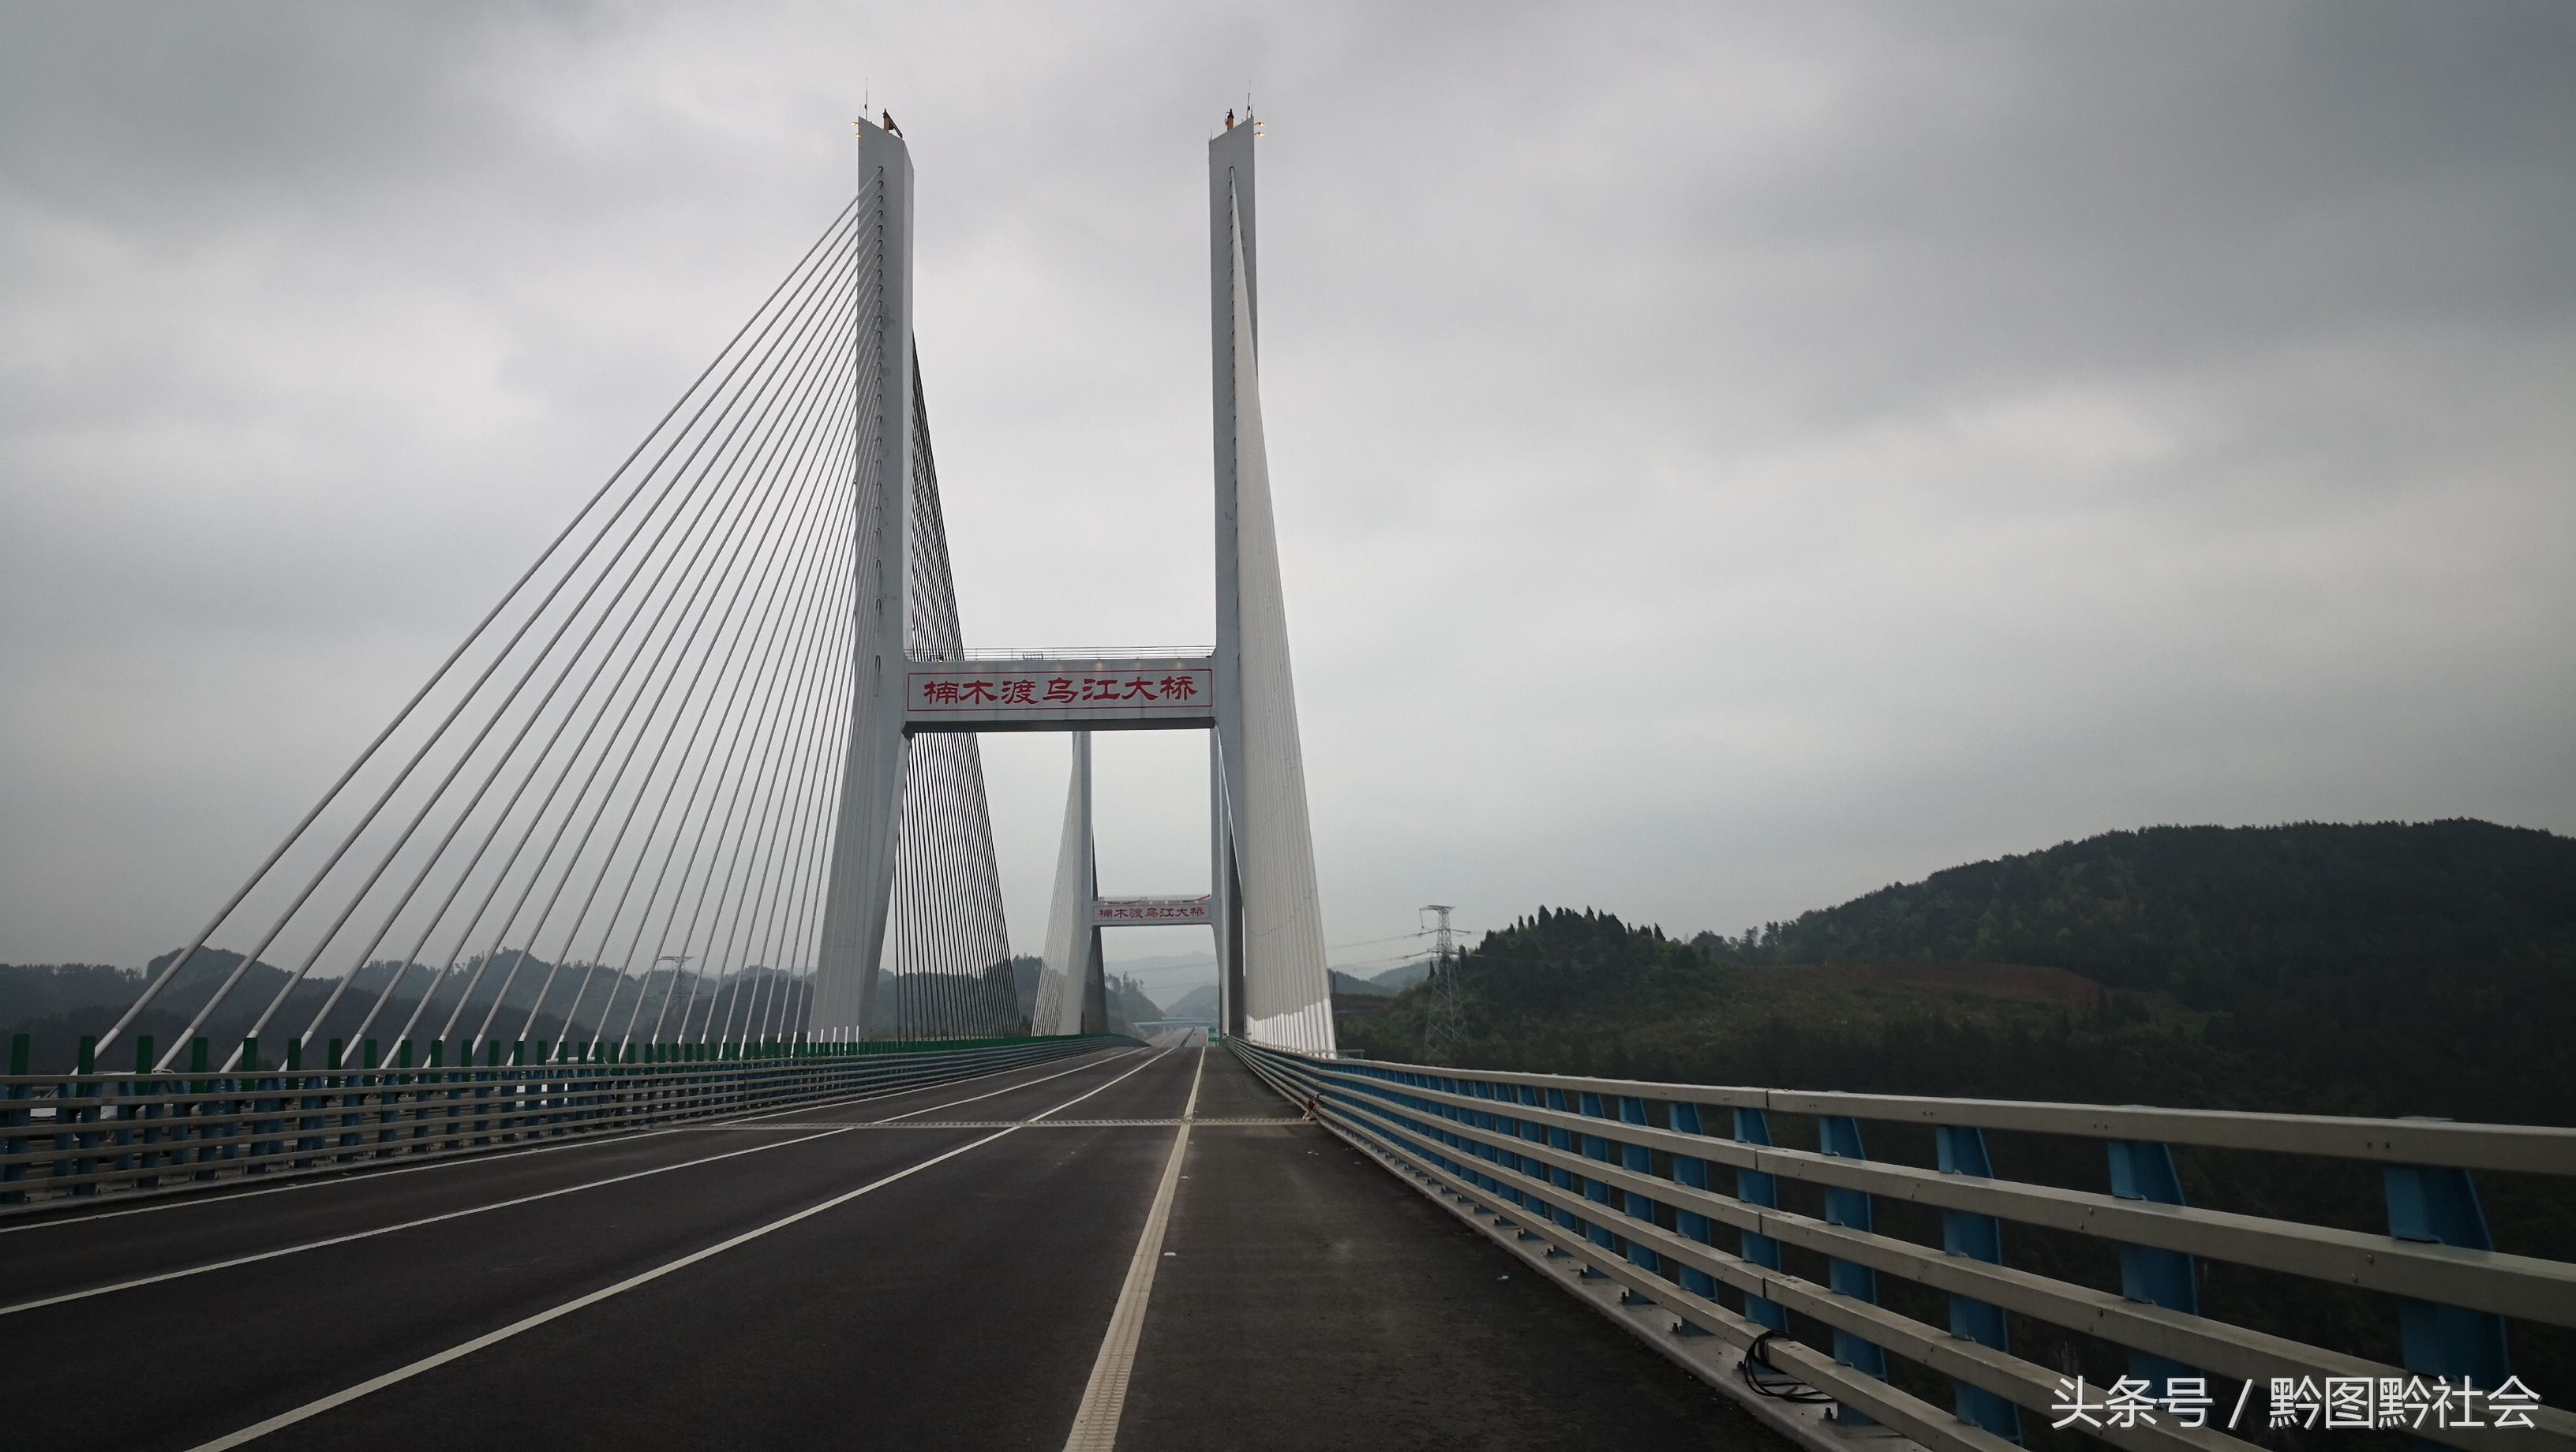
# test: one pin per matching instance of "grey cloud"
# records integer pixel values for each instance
(1729, 457)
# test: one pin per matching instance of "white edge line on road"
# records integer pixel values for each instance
(361, 1173)
(915, 1089)
(357, 1173)
(1104, 1397)
(355, 1235)
(1005, 1089)
(464, 1349)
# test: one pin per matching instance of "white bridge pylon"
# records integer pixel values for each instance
(912, 825)
(1073, 994)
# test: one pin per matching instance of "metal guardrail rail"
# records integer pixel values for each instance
(65, 1137)
(1626, 1181)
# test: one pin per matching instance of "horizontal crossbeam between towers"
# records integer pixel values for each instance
(1132, 693)
(1153, 912)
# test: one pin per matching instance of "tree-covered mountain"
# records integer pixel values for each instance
(55, 1005)
(2218, 915)
(1128, 1003)
(1403, 975)
(2376, 970)
(2372, 969)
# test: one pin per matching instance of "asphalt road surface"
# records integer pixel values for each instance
(955, 1266)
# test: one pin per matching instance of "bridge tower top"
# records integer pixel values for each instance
(1272, 983)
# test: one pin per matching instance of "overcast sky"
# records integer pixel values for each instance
(1727, 458)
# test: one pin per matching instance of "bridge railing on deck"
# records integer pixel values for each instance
(89, 1133)
(1672, 1191)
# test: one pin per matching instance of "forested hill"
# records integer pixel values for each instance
(2373, 969)
(2210, 913)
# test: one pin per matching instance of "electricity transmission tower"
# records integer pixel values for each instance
(1444, 1028)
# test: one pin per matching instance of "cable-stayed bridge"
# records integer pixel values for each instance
(727, 723)
(630, 1052)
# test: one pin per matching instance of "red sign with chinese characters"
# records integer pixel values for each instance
(1139, 911)
(1040, 692)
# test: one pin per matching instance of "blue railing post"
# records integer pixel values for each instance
(1526, 1097)
(1637, 1159)
(1562, 1139)
(1839, 1136)
(1762, 1188)
(1508, 1185)
(1692, 1171)
(2440, 1206)
(2144, 1170)
(1484, 1119)
(1429, 1131)
(1962, 1151)
(1434, 1111)
(1596, 1147)
(1428, 1116)
(1452, 1138)
(1536, 1133)
(1507, 1124)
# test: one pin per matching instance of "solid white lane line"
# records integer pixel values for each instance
(1104, 1397)
(355, 1235)
(1095, 1089)
(358, 1173)
(464, 1349)
(1005, 1089)
(1199, 1122)
(368, 1173)
(489, 1338)
(196, 1270)
(1088, 1062)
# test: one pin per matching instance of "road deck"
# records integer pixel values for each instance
(942, 1281)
